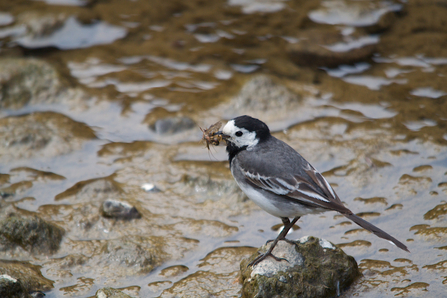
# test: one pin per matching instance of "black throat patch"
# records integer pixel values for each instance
(233, 150)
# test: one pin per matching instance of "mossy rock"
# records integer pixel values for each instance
(318, 269)
(21, 278)
(31, 233)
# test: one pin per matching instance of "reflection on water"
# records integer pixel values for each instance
(74, 35)
(353, 13)
(118, 116)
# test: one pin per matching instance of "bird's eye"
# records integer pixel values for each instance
(239, 133)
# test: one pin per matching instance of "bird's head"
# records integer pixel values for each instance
(244, 132)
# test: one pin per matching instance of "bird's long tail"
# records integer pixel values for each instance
(375, 230)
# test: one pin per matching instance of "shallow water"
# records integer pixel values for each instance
(376, 128)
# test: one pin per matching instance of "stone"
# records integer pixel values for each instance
(24, 81)
(262, 93)
(108, 292)
(28, 278)
(32, 233)
(314, 268)
(119, 209)
(280, 103)
(12, 287)
(172, 125)
(41, 134)
(133, 254)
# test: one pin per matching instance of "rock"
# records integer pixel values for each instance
(108, 292)
(91, 190)
(261, 97)
(38, 24)
(29, 277)
(133, 254)
(41, 134)
(147, 187)
(262, 93)
(24, 81)
(329, 48)
(280, 103)
(118, 209)
(32, 233)
(11, 287)
(172, 125)
(315, 268)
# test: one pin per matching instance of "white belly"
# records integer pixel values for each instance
(288, 210)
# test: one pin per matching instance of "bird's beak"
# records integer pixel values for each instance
(220, 133)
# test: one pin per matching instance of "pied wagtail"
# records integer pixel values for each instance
(280, 180)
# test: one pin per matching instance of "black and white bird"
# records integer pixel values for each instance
(280, 180)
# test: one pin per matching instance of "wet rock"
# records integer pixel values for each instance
(263, 93)
(110, 293)
(24, 81)
(315, 268)
(329, 48)
(147, 187)
(29, 278)
(37, 294)
(38, 24)
(130, 255)
(119, 209)
(33, 81)
(261, 97)
(11, 287)
(31, 233)
(280, 103)
(91, 190)
(135, 254)
(172, 125)
(41, 134)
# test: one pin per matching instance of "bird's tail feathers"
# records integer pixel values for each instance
(375, 230)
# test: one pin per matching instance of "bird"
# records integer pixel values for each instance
(280, 181)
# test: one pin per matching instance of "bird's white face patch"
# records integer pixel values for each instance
(248, 138)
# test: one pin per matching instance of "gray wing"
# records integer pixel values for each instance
(290, 175)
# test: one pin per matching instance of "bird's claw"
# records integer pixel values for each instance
(263, 256)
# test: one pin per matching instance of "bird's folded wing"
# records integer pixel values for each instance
(298, 188)
(319, 180)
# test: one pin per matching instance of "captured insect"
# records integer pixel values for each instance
(210, 136)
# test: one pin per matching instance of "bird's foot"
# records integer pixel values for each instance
(263, 256)
(268, 241)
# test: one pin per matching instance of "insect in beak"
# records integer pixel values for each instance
(212, 135)
(222, 135)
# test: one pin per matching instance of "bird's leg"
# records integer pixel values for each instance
(284, 232)
(282, 236)
(286, 222)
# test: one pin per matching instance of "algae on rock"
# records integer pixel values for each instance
(314, 268)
